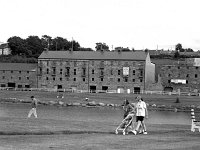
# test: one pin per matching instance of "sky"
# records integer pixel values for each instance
(138, 24)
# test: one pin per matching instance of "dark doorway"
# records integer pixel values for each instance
(11, 84)
(27, 86)
(104, 88)
(168, 89)
(93, 89)
(137, 90)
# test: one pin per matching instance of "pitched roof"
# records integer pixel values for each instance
(18, 66)
(93, 55)
(3, 46)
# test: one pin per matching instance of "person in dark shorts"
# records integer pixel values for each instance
(141, 113)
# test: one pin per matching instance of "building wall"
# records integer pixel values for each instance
(189, 73)
(102, 74)
(18, 78)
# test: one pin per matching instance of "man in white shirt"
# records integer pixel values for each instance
(141, 112)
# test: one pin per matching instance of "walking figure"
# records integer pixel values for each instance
(34, 104)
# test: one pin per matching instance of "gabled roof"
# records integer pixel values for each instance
(93, 55)
(3, 46)
(18, 66)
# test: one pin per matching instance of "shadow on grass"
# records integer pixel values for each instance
(65, 132)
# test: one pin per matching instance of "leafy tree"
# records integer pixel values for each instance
(101, 46)
(34, 45)
(178, 47)
(18, 46)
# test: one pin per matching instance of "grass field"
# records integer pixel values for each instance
(49, 134)
(115, 98)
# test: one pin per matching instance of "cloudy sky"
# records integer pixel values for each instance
(137, 24)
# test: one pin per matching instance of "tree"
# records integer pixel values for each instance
(34, 45)
(101, 46)
(178, 47)
(18, 46)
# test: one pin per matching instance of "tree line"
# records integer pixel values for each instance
(29, 49)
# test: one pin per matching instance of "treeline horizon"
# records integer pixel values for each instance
(29, 49)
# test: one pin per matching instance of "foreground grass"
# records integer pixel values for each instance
(33, 134)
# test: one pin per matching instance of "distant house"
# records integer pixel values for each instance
(18, 75)
(4, 49)
(95, 71)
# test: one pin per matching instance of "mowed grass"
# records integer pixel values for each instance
(20, 133)
(115, 98)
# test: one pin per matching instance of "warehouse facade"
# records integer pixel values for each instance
(95, 71)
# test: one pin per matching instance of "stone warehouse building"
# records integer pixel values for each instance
(95, 71)
(18, 75)
(181, 76)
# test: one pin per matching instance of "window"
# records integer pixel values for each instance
(125, 79)
(92, 71)
(47, 71)
(111, 72)
(197, 68)
(74, 79)
(11, 71)
(60, 79)
(20, 78)
(84, 71)
(47, 78)
(133, 72)
(3, 77)
(141, 72)
(74, 71)
(20, 72)
(67, 71)
(28, 72)
(178, 67)
(3, 71)
(92, 79)
(60, 71)
(141, 80)
(101, 72)
(119, 72)
(187, 75)
(101, 79)
(133, 80)
(54, 78)
(169, 67)
(118, 79)
(196, 75)
(27, 78)
(83, 79)
(169, 75)
(54, 70)
(168, 81)
(186, 81)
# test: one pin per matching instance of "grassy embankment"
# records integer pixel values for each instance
(161, 101)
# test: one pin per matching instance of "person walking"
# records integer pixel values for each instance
(141, 112)
(34, 104)
(127, 107)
